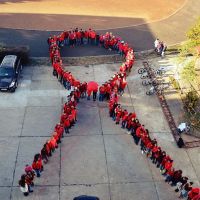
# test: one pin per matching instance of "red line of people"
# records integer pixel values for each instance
(141, 136)
(110, 91)
(67, 119)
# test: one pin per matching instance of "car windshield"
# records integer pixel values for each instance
(5, 71)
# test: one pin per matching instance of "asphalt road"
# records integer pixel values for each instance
(37, 41)
(141, 37)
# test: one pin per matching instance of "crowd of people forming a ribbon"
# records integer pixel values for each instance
(110, 92)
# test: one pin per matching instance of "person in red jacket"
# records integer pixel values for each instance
(37, 165)
(138, 133)
(86, 37)
(169, 175)
(29, 178)
(67, 125)
(78, 37)
(118, 115)
(122, 86)
(59, 129)
(89, 92)
(101, 93)
(193, 193)
(53, 143)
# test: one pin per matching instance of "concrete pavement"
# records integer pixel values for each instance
(98, 157)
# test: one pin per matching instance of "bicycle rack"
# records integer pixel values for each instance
(169, 116)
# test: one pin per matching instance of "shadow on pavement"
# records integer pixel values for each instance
(139, 39)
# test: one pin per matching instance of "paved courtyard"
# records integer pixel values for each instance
(98, 157)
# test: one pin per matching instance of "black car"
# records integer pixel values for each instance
(10, 69)
(84, 197)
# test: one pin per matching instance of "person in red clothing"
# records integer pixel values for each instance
(56, 137)
(67, 125)
(193, 193)
(144, 139)
(107, 90)
(71, 38)
(59, 128)
(37, 165)
(84, 85)
(124, 118)
(196, 197)
(122, 86)
(66, 38)
(92, 37)
(169, 175)
(29, 178)
(156, 154)
(74, 113)
(63, 117)
(50, 146)
(138, 133)
(94, 94)
(65, 79)
(89, 92)
(78, 37)
(53, 143)
(71, 120)
(86, 37)
(120, 47)
(118, 115)
(168, 166)
(162, 164)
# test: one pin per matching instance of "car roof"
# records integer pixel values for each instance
(84, 197)
(9, 61)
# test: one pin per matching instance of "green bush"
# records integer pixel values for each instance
(174, 83)
(191, 99)
(189, 73)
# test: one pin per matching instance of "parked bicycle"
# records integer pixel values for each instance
(153, 82)
(151, 72)
(161, 71)
(159, 89)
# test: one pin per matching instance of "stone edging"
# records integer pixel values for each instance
(89, 60)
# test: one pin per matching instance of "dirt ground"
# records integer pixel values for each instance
(153, 10)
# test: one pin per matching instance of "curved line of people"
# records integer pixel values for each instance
(78, 90)
(68, 119)
(110, 91)
(77, 37)
(141, 137)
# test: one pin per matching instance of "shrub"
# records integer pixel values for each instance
(174, 83)
(189, 73)
(191, 100)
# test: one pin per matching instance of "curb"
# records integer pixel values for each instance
(90, 60)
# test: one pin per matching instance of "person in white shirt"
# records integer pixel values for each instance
(156, 43)
(23, 185)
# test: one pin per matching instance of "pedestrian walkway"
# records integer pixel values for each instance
(98, 157)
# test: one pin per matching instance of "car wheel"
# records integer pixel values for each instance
(16, 84)
(13, 89)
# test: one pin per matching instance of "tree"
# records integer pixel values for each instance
(194, 33)
(193, 41)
